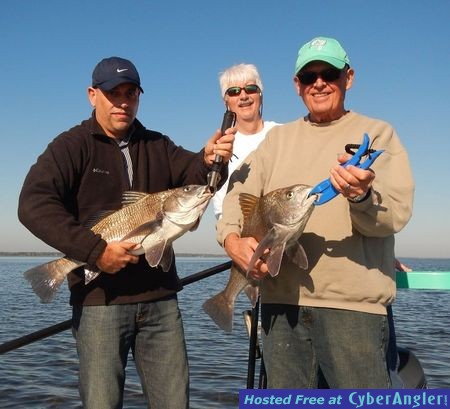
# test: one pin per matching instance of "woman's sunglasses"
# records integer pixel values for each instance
(249, 89)
(310, 77)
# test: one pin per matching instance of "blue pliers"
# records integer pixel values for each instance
(326, 190)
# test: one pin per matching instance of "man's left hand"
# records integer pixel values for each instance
(351, 181)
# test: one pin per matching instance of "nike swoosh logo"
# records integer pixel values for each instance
(122, 70)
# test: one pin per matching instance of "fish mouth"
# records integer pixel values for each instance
(310, 197)
(206, 193)
(206, 190)
(306, 198)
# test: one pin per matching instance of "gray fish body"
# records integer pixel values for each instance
(276, 221)
(140, 216)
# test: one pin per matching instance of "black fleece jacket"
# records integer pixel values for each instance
(82, 173)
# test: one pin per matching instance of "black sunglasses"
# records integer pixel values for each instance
(310, 77)
(249, 89)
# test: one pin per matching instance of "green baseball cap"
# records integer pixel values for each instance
(322, 49)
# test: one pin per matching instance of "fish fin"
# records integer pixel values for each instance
(263, 245)
(90, 275)
(220, 309)
(274, 259)
(248, 202)
(143, 230)
(154, 254)
(130, 196)
(45, 279)
(252, 293)
(167, 258)
(297, 254)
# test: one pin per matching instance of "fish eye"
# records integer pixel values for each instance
(290, 194)
(186, 188)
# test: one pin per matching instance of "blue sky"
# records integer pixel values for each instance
(399, 49)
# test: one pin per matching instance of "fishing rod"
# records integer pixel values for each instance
(65, 325)
(252, 350)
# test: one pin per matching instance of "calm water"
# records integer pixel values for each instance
(44, 374)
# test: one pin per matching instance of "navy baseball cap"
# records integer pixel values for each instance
(113, 71)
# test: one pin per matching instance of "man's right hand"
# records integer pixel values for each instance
(116, 256)
(241, 250)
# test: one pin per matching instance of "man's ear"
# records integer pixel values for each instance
(350, 74)
(92, 95)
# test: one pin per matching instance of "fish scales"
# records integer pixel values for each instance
(133, 215)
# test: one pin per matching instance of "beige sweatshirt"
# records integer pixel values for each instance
(350, 246)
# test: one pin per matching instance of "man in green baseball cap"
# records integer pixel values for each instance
(323, 62)
(332, 314)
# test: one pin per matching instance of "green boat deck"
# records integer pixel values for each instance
(424, 280)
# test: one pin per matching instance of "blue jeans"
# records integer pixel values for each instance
(153, 331)
(348, 346)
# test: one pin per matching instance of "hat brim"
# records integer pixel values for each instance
(113, 83)
(335, 62)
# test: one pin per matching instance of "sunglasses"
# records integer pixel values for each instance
(249, 89)
(328, 75)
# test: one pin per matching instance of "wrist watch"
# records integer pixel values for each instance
(360, 198)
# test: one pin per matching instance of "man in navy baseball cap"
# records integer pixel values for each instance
(113, 71)
(83, 171)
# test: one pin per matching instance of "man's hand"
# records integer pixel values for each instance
(116, 256)
(350, 180)
(221, 145)
(241, 250)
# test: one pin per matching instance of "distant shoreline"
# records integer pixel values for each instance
(57, 254)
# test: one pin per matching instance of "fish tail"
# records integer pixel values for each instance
(46, 279)
(220, 309)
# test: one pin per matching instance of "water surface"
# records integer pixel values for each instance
(44, 374)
